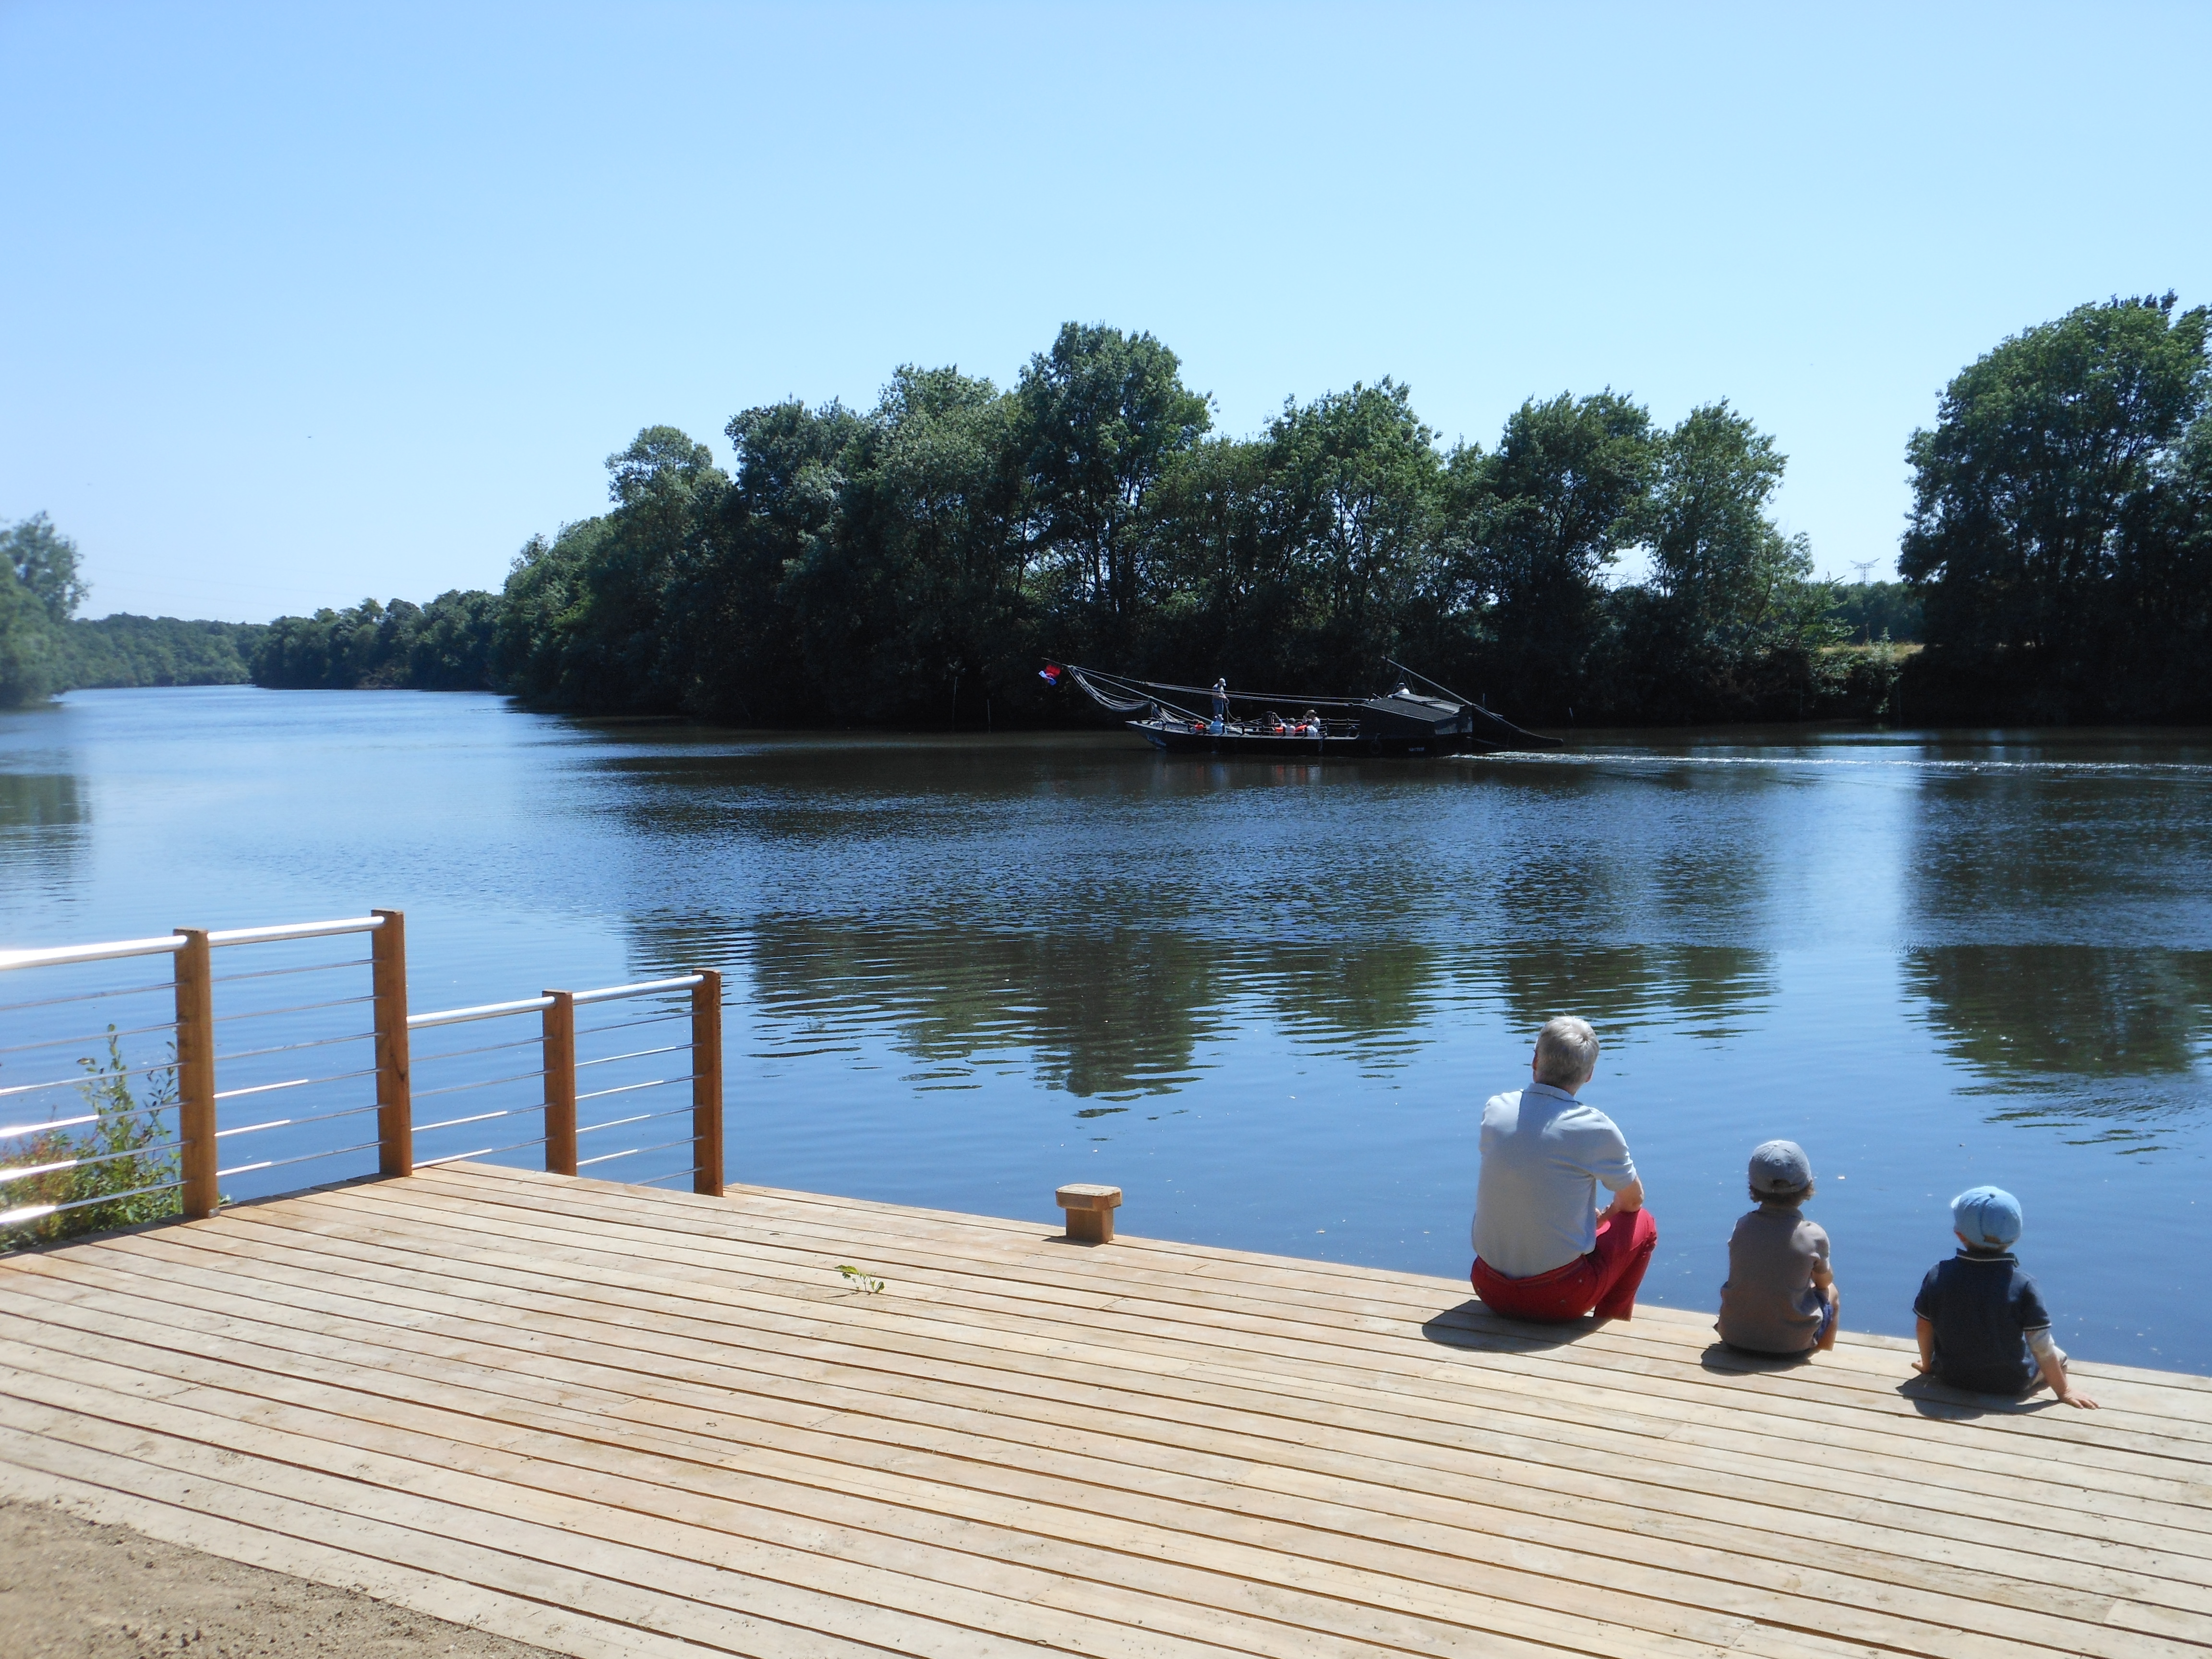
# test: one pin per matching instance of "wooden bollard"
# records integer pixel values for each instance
(1089, 1211)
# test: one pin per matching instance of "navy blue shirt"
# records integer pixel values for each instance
(1982, 1306)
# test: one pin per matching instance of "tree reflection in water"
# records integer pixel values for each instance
(2093, 1037)
(43, 819)
(2054, 893)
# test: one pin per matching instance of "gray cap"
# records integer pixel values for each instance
(1780, 1166)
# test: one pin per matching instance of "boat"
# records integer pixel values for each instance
(1294, 725)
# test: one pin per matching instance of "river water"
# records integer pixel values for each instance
(1267, 1000)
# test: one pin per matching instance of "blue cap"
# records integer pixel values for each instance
(1986, 1216)
(1780, 1166)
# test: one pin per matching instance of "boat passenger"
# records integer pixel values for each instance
(1220, 703)
(1309, 725)
(1542, 1249)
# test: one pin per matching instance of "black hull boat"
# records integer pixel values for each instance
(1290, 727)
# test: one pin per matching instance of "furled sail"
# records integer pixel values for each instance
(1111, 704)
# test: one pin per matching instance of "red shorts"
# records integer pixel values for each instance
(1604, 1282)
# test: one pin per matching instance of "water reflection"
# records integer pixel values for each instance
(2111, 1041)
(1711, 991)
(43, 827)
(2054, 906)
(1130, 1011)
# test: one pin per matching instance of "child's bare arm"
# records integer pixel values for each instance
(2054, 1372)
(1925, 1330)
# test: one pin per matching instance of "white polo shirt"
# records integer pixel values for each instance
(1543, 1155)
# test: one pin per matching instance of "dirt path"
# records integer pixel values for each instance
(77, 1589)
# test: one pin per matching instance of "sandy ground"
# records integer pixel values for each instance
(77, 1589)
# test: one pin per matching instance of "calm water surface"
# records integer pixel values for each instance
(1269, 1001)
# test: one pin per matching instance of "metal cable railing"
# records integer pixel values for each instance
(148, 1145)
(569, 1046)
(144, 1143)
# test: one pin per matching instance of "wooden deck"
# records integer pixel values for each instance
(616, 1421)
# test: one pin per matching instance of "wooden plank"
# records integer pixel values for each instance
(809, 1410)
(1658, 1409)
(1160, 1446)
(1391, 1454)
(958, 1551)
(878, 1576)
(177, 1476)
(1383, 1347)
(1856, 1610)
(1200, 1401)
(974, 1440)
(686, 1590)
(1031, 1265)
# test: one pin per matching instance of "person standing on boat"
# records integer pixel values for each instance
(1542, 1248)
(1220, 703)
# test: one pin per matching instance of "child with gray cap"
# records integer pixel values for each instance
(1781, 1296)
(1981, 1321)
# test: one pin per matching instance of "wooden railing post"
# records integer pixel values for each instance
(195, 1073)
(395, 1104)
(707, 1084)
(559, 1047)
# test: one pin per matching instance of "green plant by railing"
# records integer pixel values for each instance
(123, 1125)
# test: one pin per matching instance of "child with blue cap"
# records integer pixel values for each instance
(1981, 1321)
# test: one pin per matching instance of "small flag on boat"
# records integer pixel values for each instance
(1050, 673)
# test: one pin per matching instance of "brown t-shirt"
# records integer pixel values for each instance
(1769, 1303)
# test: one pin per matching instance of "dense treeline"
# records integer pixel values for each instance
(1871, 612)
(124, 651)
(914, 562)
(445, 645)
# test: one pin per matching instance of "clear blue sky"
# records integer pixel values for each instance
(304, 303)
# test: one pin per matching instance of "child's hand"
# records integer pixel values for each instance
(2082, 1401)
(1923, 1366)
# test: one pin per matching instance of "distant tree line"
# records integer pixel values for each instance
(445, 645)
(915, 562)
(45, 647)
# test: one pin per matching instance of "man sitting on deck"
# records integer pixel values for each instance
(1542, 1250)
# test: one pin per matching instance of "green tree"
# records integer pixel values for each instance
(1542, 521)
(1360, 486)
(46, 562)
(40, 592)
(1735, 589)
(734, 592)
(918, 604)
(1872, 612)
(30, 650)
(2050, 514)
(1102, 413)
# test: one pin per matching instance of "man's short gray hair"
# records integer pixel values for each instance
(1566, 1052)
